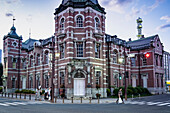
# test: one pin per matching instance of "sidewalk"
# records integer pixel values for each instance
(66, 101)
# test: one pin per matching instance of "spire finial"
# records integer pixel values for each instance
(13, 20)
(30, 33)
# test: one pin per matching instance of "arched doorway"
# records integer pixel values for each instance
(79, 84)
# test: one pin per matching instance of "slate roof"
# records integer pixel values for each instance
(12, 34)
(29, 44)
(79, 4)
(140, 44)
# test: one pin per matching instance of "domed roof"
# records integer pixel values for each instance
(94, 1)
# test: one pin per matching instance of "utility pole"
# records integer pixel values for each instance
(53, 64)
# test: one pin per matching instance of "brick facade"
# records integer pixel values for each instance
(86, 58)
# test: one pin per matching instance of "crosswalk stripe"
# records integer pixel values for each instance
(3, 104)
(11, 103)
(20, 103)
(163, 104)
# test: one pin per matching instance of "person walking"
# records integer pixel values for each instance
(120, 96)
(49, 93)
(46, 94)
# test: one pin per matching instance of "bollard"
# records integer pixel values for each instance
(8, 95)
(20, 95)
(81, 99)
(5, 94)
(2, 94)
(16, 95)
(55, 99)
(63, 100)
(132, 96)
(90, 100)
(30, 97)
(12, 95)
(139, 96)
(98, 100)
(71, 99)
(25, 96)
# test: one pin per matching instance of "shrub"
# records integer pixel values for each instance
(43, 91)
(146, 91)
(108, 92)
(17, 91)
(129, 92)
(1, 89)
(62, 86)
(98, 95)
(134, 90)
(139, 90)
(115, 91)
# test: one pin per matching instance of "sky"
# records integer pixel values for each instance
(37, 17)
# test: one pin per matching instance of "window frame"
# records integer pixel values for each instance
(79, 21)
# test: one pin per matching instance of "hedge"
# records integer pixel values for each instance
(25, 91)
(131, 90)
(1, 89)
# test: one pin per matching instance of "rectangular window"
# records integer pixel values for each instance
(46, 82)
(5, 62)
(115, 59)
(156, 57)
(133, 61)
(14, 63)
(62, 51)
(31, 82)
(97, 50)
(62, 78)
(23, 63)
(13, 82)
(38, 62)
(144, 61)
(32, 62)
(79, 49)
(98, 73)
(161, 61)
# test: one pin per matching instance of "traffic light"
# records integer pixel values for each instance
(120, 77)
(147, 55)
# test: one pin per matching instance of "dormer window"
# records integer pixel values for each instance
(79, 21)
(31, 61)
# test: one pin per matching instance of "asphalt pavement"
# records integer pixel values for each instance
(151, 104)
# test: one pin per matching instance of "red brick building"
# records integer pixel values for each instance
(87, 55)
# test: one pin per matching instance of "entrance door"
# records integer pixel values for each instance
(24, 83)
(79, 87)
(133, 81)
(145, 82)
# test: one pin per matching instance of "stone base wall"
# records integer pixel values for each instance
(156, 90)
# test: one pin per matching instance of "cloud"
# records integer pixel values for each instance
(12, 1)
(143, 10)
(165, 26)
(9, 14)
(116, 5)
(167, 18)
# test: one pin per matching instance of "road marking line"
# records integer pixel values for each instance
(3, 104)
(163, 104)
(153, 103)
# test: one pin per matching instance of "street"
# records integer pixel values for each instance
(152, 104)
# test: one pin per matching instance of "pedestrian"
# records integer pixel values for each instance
(120, 96)
(46, 94)
(49, 93)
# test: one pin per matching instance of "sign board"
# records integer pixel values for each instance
(131, 55)
(168, 82)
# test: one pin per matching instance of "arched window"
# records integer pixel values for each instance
(38, 59)
(97, 24)
(31, 61)
(62, 25)
(79, 21)
(46, 58)
(115, 56)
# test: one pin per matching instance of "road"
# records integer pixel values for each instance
(152, 104)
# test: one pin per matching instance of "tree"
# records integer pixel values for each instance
(1, 73)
